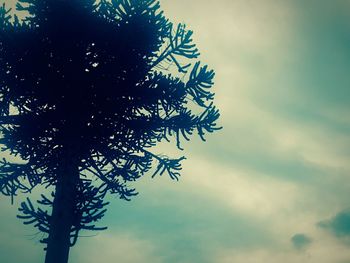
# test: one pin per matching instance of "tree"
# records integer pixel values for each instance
(86, 89)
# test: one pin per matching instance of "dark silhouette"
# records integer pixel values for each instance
(86, 90)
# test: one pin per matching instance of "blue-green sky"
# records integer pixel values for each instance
(274, 184)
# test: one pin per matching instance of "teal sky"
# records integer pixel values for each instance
(274, 184)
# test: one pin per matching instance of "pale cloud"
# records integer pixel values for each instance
(318, 148)
(247, 192)
(114, 247)
(254, 129)
(258, 57)
(247, 43)
(272, 202)
(318, 145)
(231, 20)
(324, 249)
(10, 3)
(338, 113)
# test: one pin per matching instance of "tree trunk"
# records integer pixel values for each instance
(63, 210)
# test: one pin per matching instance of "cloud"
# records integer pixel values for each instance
(317, 254)
(301, 241)
(184, 221)
(249, 192)
(339, 225)
(114, 247)
(323, 248)
(279, 165)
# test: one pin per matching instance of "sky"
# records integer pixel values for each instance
(274, 184)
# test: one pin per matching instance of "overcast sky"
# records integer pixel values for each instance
(273, 185)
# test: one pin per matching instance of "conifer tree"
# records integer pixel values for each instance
(86, 90)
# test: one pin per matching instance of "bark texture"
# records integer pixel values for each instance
(63, 211)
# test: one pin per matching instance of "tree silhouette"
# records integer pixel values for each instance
(86, 89)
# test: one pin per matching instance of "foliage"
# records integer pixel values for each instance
(97, 80)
